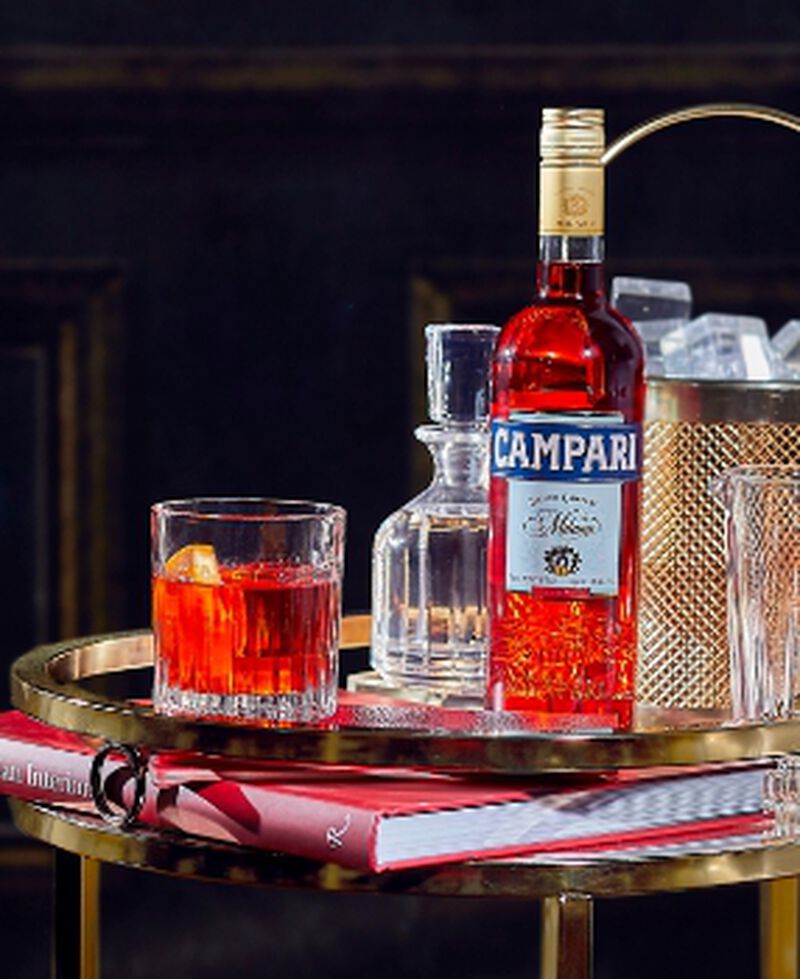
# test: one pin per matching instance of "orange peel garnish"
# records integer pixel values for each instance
(194, 562)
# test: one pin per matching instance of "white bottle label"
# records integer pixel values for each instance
(562, 536)
(565, 474)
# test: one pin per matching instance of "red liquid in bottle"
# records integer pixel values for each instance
(566, 650)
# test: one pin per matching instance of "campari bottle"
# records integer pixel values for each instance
(568, 398)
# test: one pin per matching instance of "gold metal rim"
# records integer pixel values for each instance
(717, 402)
(198, 859)
(49, 683)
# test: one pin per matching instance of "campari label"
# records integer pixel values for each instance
(565, 474)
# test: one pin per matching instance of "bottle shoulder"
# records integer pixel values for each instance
(444, 500)
(435, 509)
(568, 356)
(557, 323)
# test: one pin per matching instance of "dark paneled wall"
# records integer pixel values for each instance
(313, 23)
(278, 226)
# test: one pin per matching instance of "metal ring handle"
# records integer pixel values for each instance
(710, 110)
(138, 765)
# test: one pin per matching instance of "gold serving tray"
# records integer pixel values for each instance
(53, 683)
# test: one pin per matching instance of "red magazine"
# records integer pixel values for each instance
(379, 819)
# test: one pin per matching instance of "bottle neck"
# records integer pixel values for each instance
(460, 456)
(571, 267)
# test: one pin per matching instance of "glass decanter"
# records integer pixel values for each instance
(429, 558)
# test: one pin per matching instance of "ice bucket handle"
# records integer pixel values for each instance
(708, 111)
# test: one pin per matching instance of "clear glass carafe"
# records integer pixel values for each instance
(429, 558)
(762, 561)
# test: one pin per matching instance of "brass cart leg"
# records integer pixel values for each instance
(566, 937)
(779, 928)
(76, 932)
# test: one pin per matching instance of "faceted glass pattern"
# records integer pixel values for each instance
(762, 536)
(429, 558)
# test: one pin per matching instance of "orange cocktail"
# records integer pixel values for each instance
(246, 620)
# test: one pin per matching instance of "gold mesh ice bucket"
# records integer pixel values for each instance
(694, 430)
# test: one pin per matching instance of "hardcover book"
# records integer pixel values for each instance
(384, 819)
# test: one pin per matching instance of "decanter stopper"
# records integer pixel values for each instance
(458, 357)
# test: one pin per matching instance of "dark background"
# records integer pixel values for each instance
(222, 230)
